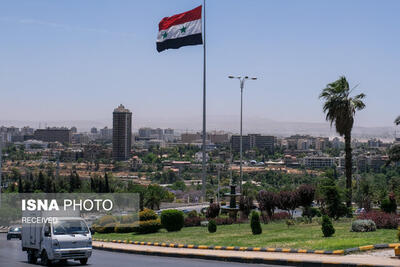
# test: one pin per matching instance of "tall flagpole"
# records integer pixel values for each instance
(203, 180)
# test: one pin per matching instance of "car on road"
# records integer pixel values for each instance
(14, 232)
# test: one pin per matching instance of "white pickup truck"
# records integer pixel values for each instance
(62, 239)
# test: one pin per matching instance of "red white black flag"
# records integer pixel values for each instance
(180, 30)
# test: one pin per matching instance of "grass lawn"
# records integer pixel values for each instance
(303, 236)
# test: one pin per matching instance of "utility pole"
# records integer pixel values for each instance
(219, 173)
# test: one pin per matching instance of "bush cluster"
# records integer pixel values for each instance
(172, 220)
(147, 227)
(363, 226)
(125, 227)
(381, 219)
(104, 229)
(255, 223)
(147, 215)
(192, 221)
(148, 222)
(105, 224)
(389, 204)
(212, 226)
(223, 221)
(327, 226)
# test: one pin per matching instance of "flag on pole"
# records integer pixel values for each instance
(180, 30)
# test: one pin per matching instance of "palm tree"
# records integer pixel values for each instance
(340, 109)
(397, 121)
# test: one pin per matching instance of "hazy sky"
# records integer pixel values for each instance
(77, 60)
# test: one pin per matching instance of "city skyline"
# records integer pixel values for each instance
(96, 59)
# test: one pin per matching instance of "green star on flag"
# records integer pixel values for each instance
(183, 30)
(165, 35)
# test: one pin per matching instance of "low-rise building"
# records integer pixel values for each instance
(318, 162)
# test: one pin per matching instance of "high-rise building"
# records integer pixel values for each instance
(62, 135)
(251, 141)
(93, 130)
(122, 133)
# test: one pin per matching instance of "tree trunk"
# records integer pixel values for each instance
(348, 167)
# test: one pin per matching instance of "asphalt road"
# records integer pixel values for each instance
(11, 255)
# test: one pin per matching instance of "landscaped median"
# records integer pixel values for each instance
(260, 249)
(276, 237)
(233, 254)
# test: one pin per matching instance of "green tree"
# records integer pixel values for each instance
(153, 196)
(340, 109)
(20, 186)
(394, 151)
(41, 182)
(107, 184)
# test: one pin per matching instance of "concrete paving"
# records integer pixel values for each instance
(366, 259)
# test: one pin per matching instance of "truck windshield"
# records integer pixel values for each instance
(69, 227)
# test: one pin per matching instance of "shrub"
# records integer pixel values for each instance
(255, 223)
(280, 216)
(212, 226)
(172, 220)
(389, 204)
(381, 219)
(363, 226)
(148, 227)
(192, 214)
(311, 212)
(398, 233)
(106, 220)
(126, 219)
(192, 221)
(327, 226)
(125, 228)
(223, 221)
(104, 229)
(290, 222)
(147, 214)
(213, 210)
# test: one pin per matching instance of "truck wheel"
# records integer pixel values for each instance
(44, 260)
(31, 257)
(83, 261)
(8, 237)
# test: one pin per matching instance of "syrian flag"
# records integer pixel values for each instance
(180, 30)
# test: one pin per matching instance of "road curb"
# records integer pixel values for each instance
(239, 259)
(284, 250)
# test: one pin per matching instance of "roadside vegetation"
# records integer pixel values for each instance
(274, 234)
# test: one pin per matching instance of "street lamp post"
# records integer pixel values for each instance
(242, 80)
